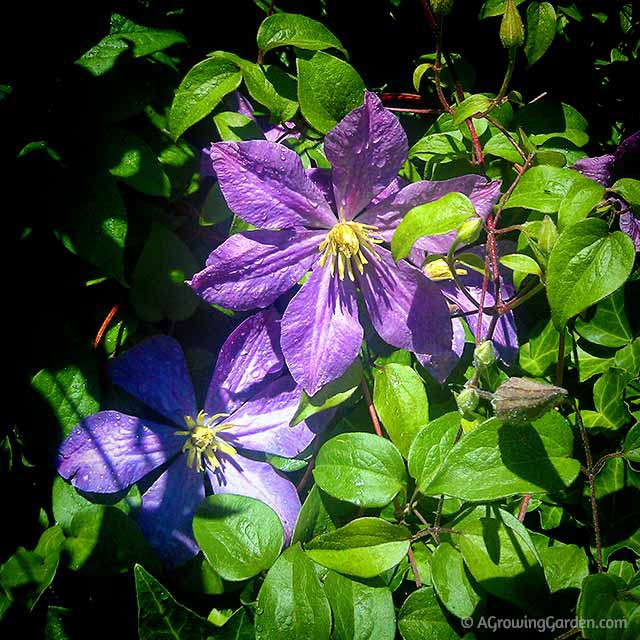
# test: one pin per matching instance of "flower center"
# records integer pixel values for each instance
(344, 246)
(439, 270)
(203, 443)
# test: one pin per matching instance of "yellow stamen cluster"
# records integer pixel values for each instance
(344, 244)
(439, 270)
(203, 442)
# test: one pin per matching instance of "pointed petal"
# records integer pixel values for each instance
(406, 308)
(155, 372)
(628, 156)
(265, 184)
(440, 365)
(254, 268)
(631, 226)
(366, 149)
(321, 177)
(109, 451)
(599, 168)
(262, 423)
(321, 334)
(167, 510)
(249, 358)
(259, 480)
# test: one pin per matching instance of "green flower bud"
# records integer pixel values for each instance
(521, 400)
(548, 235)
(484, 355)
(442, 7)
(469, 230)
(467, 401)
(511, 27)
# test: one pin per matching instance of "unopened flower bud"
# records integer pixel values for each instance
(469, 230)
(511, 27)
(442, 7)
(521, 400)
(548, 235)
(467, 401)
(484, 355)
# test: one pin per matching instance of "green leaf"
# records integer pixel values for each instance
(476, 103)
(103, 540)
(27, 574)
(503, 560)
(101, 58)
(431, 446)
(131, 160)
(521, 262)
(590, 364)
(361, 468)
(422, 617)
(541, 29)
(360, 611)
(541, 352)
(430, 219)
(72, 391)
(500, 147)
(95, 220)
(608, 396)
(158, 290)
(328, 89)
(631, 446)
(273, 88)
(239, 536)
(282, 29)
(363, 548)
(575, 273)
(452, 581)
(628, 189)
(441, 145)
(331, 395)
(401, 401)
(600, 602)
(493, 8)
(200, 91)
(581, 198)
(160, 616)
(291, 602)
(543, 188)
(497, 460)
(234, 127)
(628, 358)
(609, 326)
(565, 565)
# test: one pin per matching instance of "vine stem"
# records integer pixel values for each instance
(307, 472)
(105, 324)
(526, 498)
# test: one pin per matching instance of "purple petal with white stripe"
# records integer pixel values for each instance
(254, 268)
(155, 372)
(366, 150)
(244, 477)
(321, 334)
(109, 451)
(262, 423)
(167, 510)
(266, 185)
(249, 358)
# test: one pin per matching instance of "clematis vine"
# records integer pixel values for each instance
(332, 222)
(248, 406)
(607, 168)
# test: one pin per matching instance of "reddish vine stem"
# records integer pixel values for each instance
(105, 325)
(526, 498)
(307, 472)
(401, 97)
(483, 293)
(410, 110)
(414, 567)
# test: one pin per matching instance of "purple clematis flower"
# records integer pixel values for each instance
(248, 406)
(606, 168)
(332, 222)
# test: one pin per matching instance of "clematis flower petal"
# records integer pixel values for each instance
(627, 156)
(250, 358)
(266, 185)
(599, 168)
(167, 510)
(245, 477)
(406, 308)
(262, 423)
(631, 226)
(109, 451)
(155, 372)
(366, 149)
(252, 269)
(321, 334)
(441, 365)
(388, 213)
